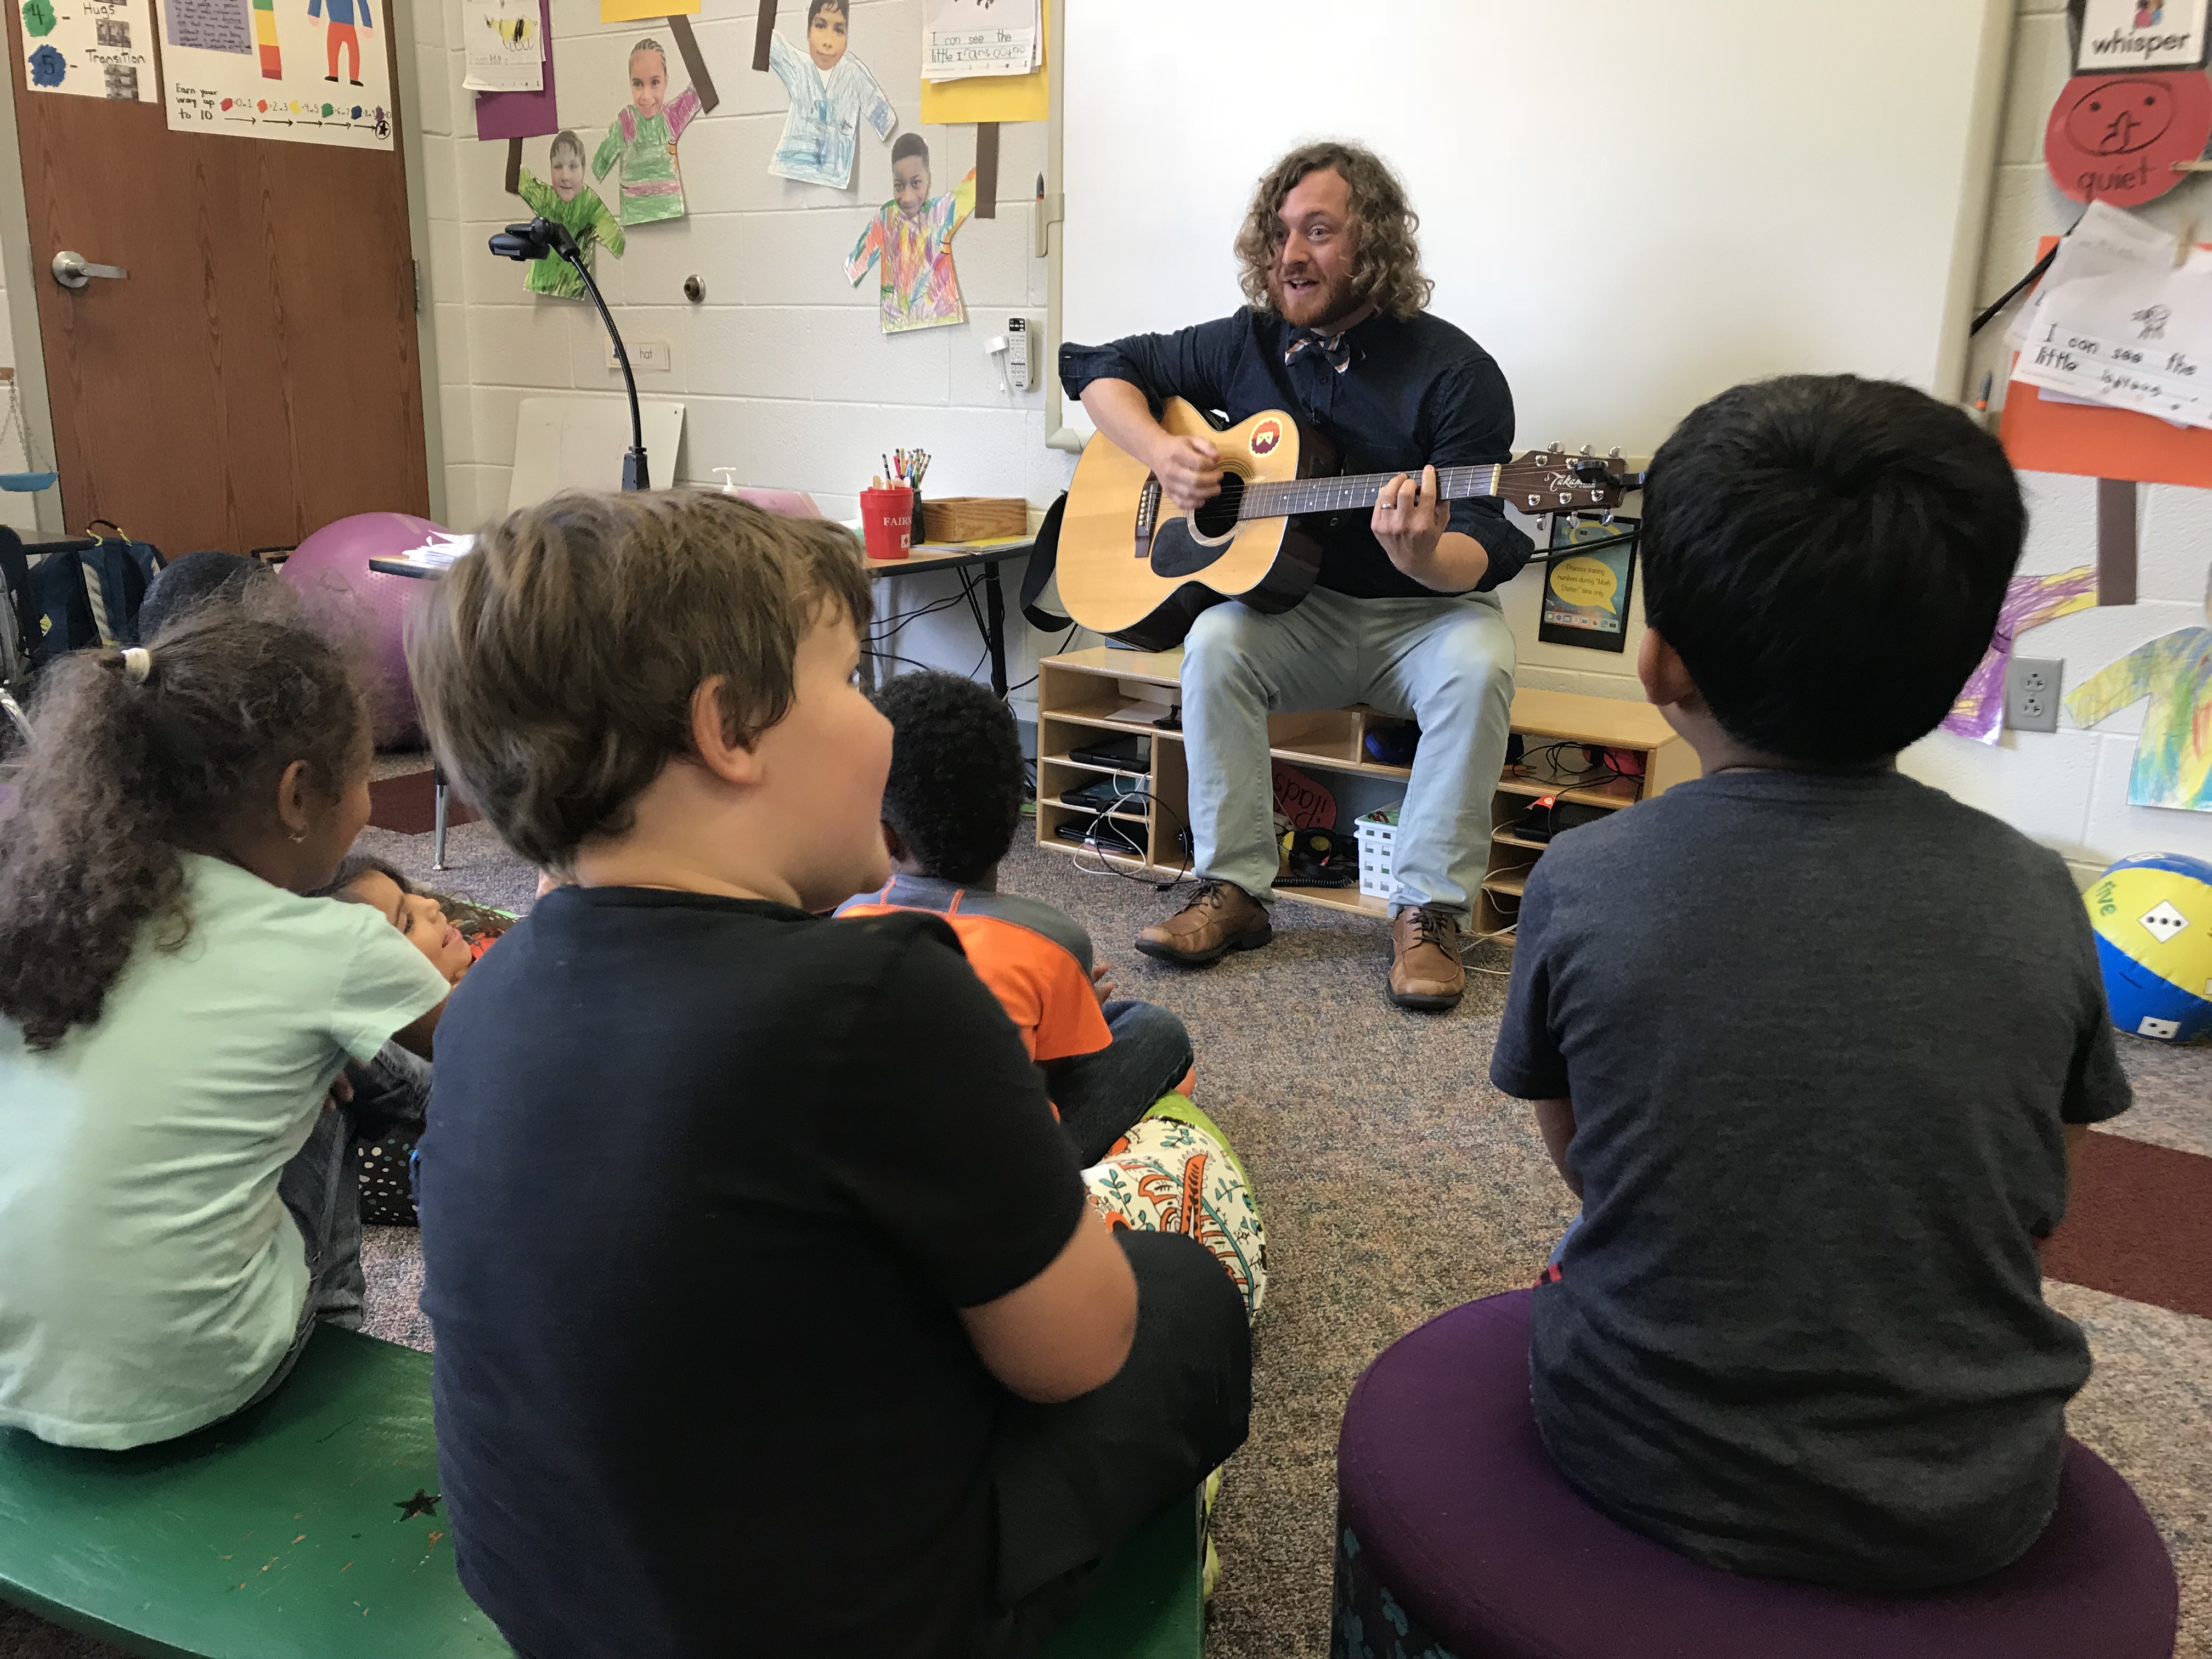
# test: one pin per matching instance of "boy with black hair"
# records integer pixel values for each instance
(952, 804)
(787, 1368)
(1811, 1040)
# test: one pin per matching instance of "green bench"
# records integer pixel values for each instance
(303, 1530)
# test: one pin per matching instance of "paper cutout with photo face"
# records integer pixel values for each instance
(832, 93)
(643, 138)
(910, 242)
(564, 197)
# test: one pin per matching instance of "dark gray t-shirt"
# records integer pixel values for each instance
(1820, 1034)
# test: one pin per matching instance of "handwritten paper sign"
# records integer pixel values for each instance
(2134, 339)
(963, 39)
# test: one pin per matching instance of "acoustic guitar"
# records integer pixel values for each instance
(1136, 567)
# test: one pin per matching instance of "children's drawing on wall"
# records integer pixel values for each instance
(2029, 602)
(567, 201)
(832, 93)
(504, 43)
(643, 138)
(910, 240)
(2173, 755)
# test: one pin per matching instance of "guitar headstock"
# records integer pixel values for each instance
(1554, 481)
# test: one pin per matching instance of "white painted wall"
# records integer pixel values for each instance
(785, 371)
(2068, 788)
(16, 512)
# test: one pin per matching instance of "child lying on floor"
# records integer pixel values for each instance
(763, 1280)
(175, 1211)
(1810, 1039)
(392, 1092)
(952, 804)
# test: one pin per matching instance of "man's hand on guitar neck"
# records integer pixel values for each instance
(1410, 521)
(1189, 469)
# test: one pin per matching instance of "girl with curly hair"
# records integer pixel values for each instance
(175, 1211)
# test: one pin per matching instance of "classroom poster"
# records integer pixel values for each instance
(295, 71)
(91, 48)
(1586, 594)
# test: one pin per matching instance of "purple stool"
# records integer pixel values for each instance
(1456, 1539)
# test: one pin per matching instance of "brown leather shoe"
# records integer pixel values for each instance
(1424, 965)
(1221, 917)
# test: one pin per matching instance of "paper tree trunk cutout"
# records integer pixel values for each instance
(2029, 602)
(2174, 757)
(832, 93)
(568, 202)
(642, 139)
(910, 242)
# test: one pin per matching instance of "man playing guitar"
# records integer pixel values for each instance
(1402, 616)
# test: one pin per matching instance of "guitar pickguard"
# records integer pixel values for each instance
(1177, 553)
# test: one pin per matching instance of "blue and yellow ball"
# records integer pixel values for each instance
(2152, 913)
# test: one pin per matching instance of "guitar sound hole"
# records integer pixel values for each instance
(1218, 516)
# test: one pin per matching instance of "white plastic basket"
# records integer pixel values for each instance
(1378, 837)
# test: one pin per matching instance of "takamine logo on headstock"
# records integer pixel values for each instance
(1550, 480)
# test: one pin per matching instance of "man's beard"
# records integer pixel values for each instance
(1318, 304)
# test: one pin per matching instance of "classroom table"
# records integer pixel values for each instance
(928, 556)
(962, 556)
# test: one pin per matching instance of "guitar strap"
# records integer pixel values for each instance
(1044, 559)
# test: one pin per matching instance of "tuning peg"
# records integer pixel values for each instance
(1613, 454)
(1555, 446)
(1587, 450)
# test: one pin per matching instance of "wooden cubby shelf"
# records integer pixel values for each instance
(1083, 694)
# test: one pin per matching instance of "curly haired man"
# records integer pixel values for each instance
(1404, 615)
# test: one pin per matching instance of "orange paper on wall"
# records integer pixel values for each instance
(2101, 443)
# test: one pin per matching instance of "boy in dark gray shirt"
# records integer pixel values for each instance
(1811, 1040)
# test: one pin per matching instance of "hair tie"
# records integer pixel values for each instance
(137, 663)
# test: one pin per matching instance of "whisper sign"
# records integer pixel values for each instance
(2119, 35)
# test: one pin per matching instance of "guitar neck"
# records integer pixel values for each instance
(1293, 495)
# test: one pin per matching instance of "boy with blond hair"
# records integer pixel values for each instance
(765, 1364)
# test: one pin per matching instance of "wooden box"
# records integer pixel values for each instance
(972, 517)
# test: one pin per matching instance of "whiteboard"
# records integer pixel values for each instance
(1632, 205)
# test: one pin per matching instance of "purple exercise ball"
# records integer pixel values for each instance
(336, 557)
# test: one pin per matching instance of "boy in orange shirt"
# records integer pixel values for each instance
(950, 807)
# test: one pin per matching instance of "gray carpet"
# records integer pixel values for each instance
(1397, 1183)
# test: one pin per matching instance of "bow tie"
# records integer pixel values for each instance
(1337, 347)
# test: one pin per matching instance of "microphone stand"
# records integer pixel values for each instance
(534, 241)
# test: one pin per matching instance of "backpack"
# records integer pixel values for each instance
(116, 572)
(45, 599)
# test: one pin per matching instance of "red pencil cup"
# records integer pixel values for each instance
(887, 521)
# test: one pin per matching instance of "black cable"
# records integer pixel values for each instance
(1055, 651)
(1105, 815)
(2018, 288)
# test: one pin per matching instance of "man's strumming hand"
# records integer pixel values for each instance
(1189, 469)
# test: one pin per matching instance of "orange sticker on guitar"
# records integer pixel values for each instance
(1266, 437)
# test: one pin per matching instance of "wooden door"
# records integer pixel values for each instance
(255, 376)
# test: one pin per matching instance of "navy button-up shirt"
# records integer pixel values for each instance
(1417, 392)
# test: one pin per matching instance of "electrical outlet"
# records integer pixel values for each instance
(2032, 693)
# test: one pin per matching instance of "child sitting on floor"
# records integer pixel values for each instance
(952, 804)
(175, 1211)
(392, 1092)
(950, 807)
(1811, 1040)
(814, 1345)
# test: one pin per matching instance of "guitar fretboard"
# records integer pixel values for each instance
(1290, 496)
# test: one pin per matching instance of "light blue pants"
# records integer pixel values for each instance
(1447, 662)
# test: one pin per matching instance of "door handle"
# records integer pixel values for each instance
(72, 269)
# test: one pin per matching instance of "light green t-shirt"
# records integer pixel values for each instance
(150, 1278)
